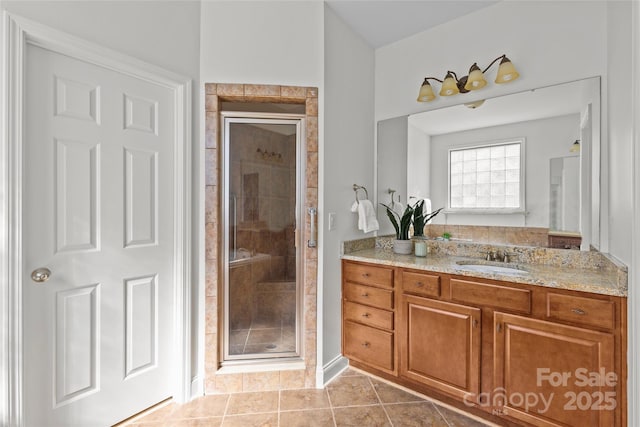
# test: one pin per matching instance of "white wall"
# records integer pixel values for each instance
(262, 42)
(348, 154)
(548, 42)
(544, 139)
(620, 125)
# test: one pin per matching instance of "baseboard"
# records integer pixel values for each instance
(334, 368)
(197, 387)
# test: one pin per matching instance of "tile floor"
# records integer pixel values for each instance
(352, 399)
(276, 336)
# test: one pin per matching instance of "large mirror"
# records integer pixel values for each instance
(529, 159)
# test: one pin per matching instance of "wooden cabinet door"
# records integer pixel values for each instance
(440, 345)
(549, 374)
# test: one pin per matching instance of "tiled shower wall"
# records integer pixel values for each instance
(273, 380)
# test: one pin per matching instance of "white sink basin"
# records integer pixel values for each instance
(491, 268)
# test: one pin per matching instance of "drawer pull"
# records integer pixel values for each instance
(366, 295)
(419, 284)
(579, 311)
(365, 315)
(365, 274)
(366, 344)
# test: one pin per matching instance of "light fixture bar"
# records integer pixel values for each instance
(452, 85)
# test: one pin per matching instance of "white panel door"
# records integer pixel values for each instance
(98, 213)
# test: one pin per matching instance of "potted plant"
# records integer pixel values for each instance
(402, 224)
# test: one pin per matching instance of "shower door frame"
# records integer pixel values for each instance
(227, 118)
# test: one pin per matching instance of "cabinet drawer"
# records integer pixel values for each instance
(491, 295)
(368, 345)
(585, 311)
(368, 295)
(368, 315)
(419, 283)
(368, 275)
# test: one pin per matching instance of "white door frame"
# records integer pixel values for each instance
(18, 33)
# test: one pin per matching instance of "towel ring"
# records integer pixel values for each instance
(357, 187)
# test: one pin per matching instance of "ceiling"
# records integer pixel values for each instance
(384, 22)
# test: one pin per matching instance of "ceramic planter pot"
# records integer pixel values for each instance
(403, 247)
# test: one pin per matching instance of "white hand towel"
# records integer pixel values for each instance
(367, 221)
(426, 208)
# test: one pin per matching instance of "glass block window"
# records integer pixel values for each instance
(486, 177)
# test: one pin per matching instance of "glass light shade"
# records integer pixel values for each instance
(575, 147)
(476, 79)
(506, 72)
(426, 92)
(449, 86)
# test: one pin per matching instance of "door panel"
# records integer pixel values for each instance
(99, 147)
(77, 339)
(77, 192)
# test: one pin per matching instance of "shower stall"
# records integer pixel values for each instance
(261, 208)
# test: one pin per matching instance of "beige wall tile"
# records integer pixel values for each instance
(211, 204)
(262, 90)
(229, 383)
(229, 89)
(211, 315)
(293, 92)
(210, 88)
(312, 133)
(211, 242)
(211, 130)
(312, 170)
(211, 355)
(261, 381)
(211, 103)
(312, 92)
(211, 166)
(311, 107)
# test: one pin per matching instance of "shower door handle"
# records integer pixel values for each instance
(312, 242)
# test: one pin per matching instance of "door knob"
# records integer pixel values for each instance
(40, 275)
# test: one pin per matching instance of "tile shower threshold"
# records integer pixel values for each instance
(244, 366)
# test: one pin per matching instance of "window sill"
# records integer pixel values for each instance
(485, 212)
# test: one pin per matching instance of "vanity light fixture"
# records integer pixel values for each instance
(575, 147)
(452, 85)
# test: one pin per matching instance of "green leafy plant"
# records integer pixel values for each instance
(411, 215)
(401, 223)
(419, 220)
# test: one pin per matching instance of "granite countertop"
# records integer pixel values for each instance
(596, 281)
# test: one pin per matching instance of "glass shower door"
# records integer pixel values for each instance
(261, 209)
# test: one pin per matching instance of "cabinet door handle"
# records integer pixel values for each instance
(475, 323)
(365, 315)
(419, 284)
(498, 327)
(579, 311)
(366, 344)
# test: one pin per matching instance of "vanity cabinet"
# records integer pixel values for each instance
(554, 374)
(440, 345)
(529, 355)
(368, 334)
